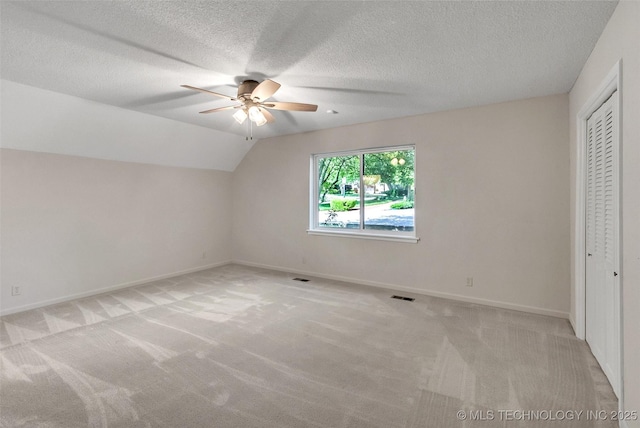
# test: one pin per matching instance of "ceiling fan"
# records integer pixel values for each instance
(253, 95)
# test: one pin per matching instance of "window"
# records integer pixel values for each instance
(368, 193)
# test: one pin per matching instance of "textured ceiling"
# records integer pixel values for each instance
(366, 60)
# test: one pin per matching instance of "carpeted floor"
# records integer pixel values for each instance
(242, 347)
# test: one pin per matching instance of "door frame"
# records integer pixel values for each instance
(611, 83)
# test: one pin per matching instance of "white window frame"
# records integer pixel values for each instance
(385, 235)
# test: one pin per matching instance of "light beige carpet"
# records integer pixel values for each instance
(241, 347)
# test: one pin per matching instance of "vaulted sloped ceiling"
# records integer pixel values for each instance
(367, 60)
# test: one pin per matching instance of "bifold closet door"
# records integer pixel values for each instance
(602, 236)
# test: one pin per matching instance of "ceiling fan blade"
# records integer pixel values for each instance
(265, 89)
(290, 106)
(268, 115)
(213, 110)
(209, 92)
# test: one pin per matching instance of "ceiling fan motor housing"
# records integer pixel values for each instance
(246, 88)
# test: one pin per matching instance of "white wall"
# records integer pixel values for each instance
(73, 226)
(44, 121)
(620, 40)
(492, 197)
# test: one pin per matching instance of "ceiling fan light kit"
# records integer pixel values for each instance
(240, 116)
(252, 96)
(256, 116)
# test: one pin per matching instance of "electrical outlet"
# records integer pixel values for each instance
(470, 281)
(204, 255)
(16, 291)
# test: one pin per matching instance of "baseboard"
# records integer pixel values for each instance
(66, 298)
(622, 423)
(451, 296)
(475, 300)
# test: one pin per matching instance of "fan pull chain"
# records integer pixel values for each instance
(250, 130)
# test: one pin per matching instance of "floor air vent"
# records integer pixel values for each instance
(301, 279)
(408, 299)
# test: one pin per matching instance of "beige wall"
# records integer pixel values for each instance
(73, 226)
(492, 199)
(620, 40)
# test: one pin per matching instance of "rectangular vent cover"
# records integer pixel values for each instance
(301, 279)
(408, 299)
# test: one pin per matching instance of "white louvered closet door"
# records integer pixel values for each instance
(602, 237)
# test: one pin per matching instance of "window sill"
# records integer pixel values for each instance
(375, 236)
